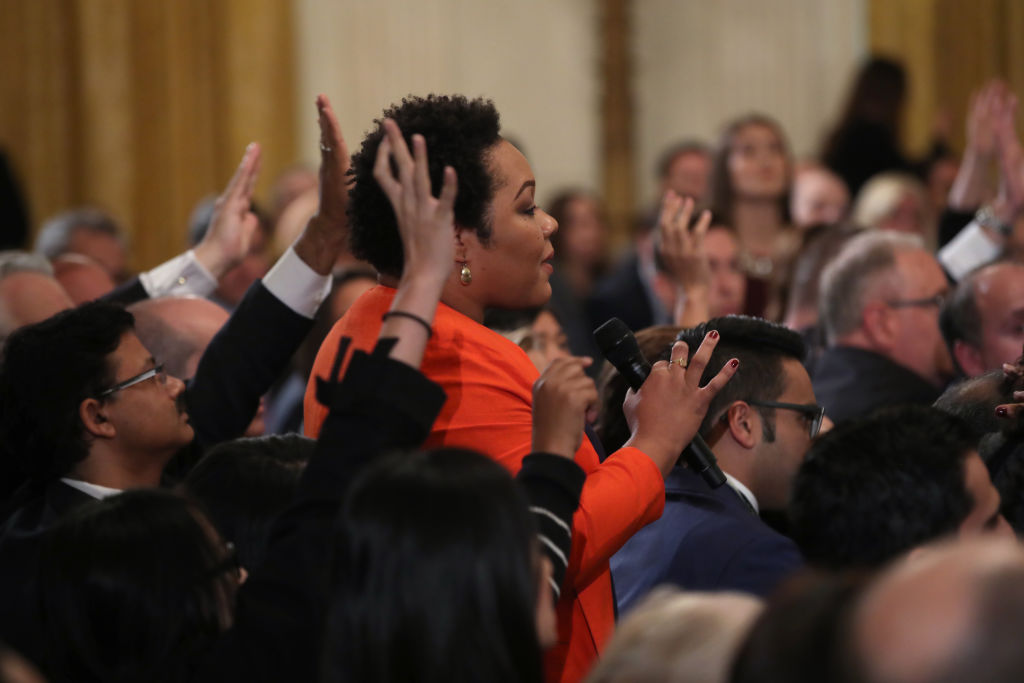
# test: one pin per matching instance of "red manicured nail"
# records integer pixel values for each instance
(713, 334)
(735, 363)
(1001, 411)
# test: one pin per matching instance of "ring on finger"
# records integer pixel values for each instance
(681, 362)
(325, 148)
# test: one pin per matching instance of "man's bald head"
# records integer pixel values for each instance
(82, 278)
(177, 330)
(949, 613)
(28, 291)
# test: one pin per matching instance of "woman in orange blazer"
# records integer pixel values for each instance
(503, 258)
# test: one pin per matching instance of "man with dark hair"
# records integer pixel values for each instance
(983, 321)
(759, 427)
(684, 168)
(874, 488)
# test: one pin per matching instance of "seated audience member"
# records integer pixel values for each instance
(87, 411)
(501, 249)
(939, 178)
(537, 332)
(875, 488)
(879, 301)
(685, 168)
(801, 634)
(759, 428)
(89, 232)
(820, 245)
(983, 321)
(819, 196)
(727, 287)
(897, 202)
(28, 291)
(953, 614)
(676, 637)
(451, 619)
(82, 278)
(243, 485)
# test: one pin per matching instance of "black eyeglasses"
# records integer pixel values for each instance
(813, 412)
(229, 565)
(157, 372)
(937, 301)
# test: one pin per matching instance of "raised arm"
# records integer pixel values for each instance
(681, 250)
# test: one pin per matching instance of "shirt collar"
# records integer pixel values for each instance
(742, 490)
(94, 490)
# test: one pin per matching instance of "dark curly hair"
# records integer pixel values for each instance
(459, 133)
(47, 370)
(874, 488)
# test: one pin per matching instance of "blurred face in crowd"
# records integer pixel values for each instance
(28, 297)
(583, 234)
(758, 166)
(688, 175)
(102, 248)
(728, 290)
(907, 215)
(984, 516)
(819, 196)
(547, 340)
(913, 317)
(999, 297)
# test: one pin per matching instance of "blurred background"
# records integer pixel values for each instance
(143, 107)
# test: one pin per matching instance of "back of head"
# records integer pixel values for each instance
(435, 575)
(28, 291)
(877, 93)
(459, 133)
(56, 234)
(821, 244)
(874, 488)
(130, 590)
(243, 485)
(676, 637)
(47, 370)
(760, 346)
(865, 267)
(656, 344)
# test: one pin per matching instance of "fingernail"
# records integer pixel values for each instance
(734, 363)
(713, 334)
(1001, 411)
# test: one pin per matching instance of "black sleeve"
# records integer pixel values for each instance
(380, 405)
(127, 293)
(553, 485)
(951, 222)
(242, 361)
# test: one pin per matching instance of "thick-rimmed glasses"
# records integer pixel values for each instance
(937, 301)
(813, 412)
(157, 372)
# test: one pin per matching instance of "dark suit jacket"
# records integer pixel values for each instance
(707, 539)
(621, 295)
(241, 362)
(853, 382)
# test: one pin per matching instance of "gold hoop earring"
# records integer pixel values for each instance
(465, 275)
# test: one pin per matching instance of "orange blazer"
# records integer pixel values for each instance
(489, 382)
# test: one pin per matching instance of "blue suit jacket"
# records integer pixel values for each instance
(705, 540)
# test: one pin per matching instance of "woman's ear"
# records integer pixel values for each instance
(93, 415)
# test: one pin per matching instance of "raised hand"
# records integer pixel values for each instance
(426, 223)
(683, 255)
(1010, 203)
(233, 223)
(666, 413)
(563, 396)
(326, 235)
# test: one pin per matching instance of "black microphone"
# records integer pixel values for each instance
(619, 346)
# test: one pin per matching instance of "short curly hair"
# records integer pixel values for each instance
(459, 133)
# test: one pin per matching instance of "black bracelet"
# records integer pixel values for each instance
(410, 316)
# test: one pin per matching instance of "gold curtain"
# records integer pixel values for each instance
(950, 47)
(143, 107)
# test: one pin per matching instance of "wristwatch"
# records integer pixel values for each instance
(986, 218)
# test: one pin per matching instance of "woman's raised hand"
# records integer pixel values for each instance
(233, 223)
(426, 223)
(666, 413)
(683, 255)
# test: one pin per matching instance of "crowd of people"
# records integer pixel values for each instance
(365, 433)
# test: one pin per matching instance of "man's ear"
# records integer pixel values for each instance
(92, 413)
(744, 424)
(968, 358)
(878, 325)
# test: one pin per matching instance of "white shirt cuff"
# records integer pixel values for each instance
(971, 248)
(296, 285)
(183, 275)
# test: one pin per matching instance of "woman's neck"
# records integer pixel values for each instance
(758, 223)
(455, 295)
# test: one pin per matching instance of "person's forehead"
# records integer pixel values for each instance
(720, 241)
(130, 354)
(918, 268)
(1000, 289)
(798, 387)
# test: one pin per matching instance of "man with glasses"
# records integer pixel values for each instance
(880, 301)
(759, 427)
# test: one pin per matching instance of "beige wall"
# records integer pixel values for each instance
(535, 58)
(701, 62)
